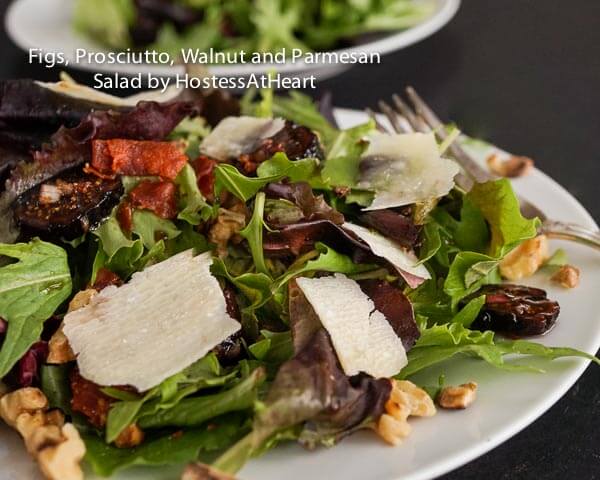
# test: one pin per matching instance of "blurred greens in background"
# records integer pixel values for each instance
(250, 25)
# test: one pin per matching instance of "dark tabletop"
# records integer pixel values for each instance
(524, 74)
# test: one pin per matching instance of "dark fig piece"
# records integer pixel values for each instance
(396, 225)
(397, 309)
(28, 368)
(294, 140)
(516, 310)
(67, 206)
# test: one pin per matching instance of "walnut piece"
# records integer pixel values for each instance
(514, 166)
(199, 471)
(132, 436)
(458, 397)
(59, 350)
(526, 259)
(228, 225)
(81, 299)
(567, 276)
(62, 461)
(406, 399)
(24, 400)
(55, 445)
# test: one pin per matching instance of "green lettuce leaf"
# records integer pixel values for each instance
(500, 207)
(192, 205)
(229, 178)
(31, 289)
(107, 21)
(194, 411)
(441, 342)
(253, 233)
(168, 449)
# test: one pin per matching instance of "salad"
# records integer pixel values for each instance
(250, 25)
(194, 282)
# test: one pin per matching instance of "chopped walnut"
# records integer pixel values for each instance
(81, 299)
(24, 400)
(567, 276)
(59, 350)
(458, 397)
(132, 436)
(228, 225)
(514, 166)
(55, 445)
(62, 461)
(406, 399)
(199, 471)
(526, 259)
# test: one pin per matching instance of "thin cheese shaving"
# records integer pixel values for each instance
(405, 168)
(362, 337)
(405, 261)
(167, 317)
(234, 136)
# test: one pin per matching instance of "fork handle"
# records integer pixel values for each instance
(572, 232)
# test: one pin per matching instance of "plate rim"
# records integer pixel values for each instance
(446, 10)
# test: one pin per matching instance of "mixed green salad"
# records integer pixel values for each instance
(203, 280)
(233, 25)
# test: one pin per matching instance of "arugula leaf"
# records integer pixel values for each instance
(281, 166)
(256, 287)
(253, 233)
(229, 178)
(194, 411)
(192, 205)
(31, 289)
(55, 385)
(499, 205)
(204, 373)
(469, 312)
(149, 227)
(468, 272)
(432, 242)
(441, 342)
(328, 261)
(344, 155)
(115, 251)
(164, 450)
(274, 347)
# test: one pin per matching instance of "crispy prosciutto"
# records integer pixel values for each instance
(89, 400)
(136, 157)
(204, 167)
(160, 197)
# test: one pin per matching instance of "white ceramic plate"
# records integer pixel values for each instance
(46, 24)
(506, 403)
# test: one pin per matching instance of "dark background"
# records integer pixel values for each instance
(524, 74)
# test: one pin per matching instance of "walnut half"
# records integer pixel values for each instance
(511, 167)
(526, 259)
(460, 397)
(406, 399)
(56, 446)
(566, 276)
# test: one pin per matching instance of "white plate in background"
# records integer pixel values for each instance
(46, 24)
(506, 402)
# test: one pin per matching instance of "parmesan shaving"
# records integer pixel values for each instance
(163, 320)
(405, 168)
(405, 261)
(362, 337)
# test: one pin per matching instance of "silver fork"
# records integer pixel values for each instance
(420, 118)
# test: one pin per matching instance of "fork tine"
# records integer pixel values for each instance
(415, 122)
(392, 116)
(378, 124)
